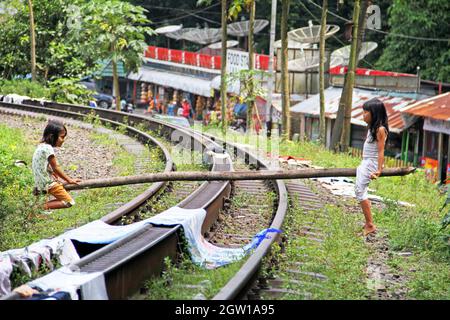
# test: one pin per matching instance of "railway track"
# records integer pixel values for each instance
(128, 262)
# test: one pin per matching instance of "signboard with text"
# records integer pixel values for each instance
(236, 61)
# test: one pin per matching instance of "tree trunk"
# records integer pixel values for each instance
(116, 84)
(223, 67)
(272, 74)
(230, 175)
(346, 129)
(286, 118)
(338, 124)
(33, 41)
(251, 63)
(322, 122)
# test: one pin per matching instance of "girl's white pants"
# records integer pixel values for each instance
(367, 166)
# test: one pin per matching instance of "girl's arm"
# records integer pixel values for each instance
(381, 140)
(59, 172)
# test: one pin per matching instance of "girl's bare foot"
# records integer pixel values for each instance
(368, 229)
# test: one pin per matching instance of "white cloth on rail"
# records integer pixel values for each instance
(91, 284)
(30, 258)
(202, 252)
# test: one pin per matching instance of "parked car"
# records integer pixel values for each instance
(103, 100)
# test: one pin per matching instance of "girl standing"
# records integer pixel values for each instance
(46, 169)
(374, 114)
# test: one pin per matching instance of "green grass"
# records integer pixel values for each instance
(185, 281)
(341, 257)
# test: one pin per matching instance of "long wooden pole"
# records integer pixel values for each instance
(220, 176)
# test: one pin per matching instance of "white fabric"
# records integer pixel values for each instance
(14, 98)
(92, 284)
(6, 268)
(439, 126)
(100, 232)
(35, 254)
(363, 172)
(202, 252)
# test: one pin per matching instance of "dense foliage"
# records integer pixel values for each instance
(418, 18)
(60, 90)
(112, 29)
(56, 55)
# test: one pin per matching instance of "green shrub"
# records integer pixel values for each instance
(24, 88)
(60, 90)
(69, 91)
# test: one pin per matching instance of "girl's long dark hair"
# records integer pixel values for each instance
(379, 116)
(52, 131)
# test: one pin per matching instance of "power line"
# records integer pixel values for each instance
(383, 32)
(334, 36)
(186, 15)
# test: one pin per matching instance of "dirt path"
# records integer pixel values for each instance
(80, 157)
(383, 282)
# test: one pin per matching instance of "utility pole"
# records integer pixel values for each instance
(272, 74)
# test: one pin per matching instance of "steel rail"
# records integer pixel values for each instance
(238, 286)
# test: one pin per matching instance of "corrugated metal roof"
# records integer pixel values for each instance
(106, 69)
(392, 101)
(174, 80)
(437, 107)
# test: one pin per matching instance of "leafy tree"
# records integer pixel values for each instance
(113, 29)
(418, 18)
(56, 55)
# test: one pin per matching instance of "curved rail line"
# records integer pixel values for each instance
(123, 261)
(162, 241)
